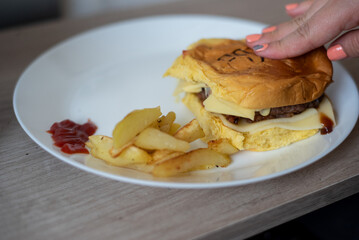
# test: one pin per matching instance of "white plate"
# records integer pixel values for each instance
(105, 73)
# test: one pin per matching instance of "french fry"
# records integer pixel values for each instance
(193, 160)
(157, 123)
(162, 155)
(115, 152)
(131, 125)
(142, 167)
(222, 145)
(148, 142)
(167, 122)
(174, 128)
(152, 139)
(100, 148)
(190, 132)
(164, 123)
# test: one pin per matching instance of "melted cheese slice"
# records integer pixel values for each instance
(190, 87)
(217, 105)
(309, 119)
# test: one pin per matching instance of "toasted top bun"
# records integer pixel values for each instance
(236, 74)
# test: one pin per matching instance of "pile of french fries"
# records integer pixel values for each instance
(148, 141)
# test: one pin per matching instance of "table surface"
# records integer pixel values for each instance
(42, 197)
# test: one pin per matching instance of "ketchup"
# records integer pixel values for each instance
(70, 136)
(327, 124)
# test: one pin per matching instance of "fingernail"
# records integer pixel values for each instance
(336, 52)
(259, 48)
(291, 6)
(269, 29)
(253, 37)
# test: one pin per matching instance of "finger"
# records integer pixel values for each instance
(284, 29)
(345, 46)
(322, 27)
(296, 9)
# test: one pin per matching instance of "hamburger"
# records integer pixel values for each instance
(254, 103)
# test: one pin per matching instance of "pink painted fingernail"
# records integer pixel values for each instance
(260, 48)
(291, 6)
(336, 52)
(253, 37)
(269, 29)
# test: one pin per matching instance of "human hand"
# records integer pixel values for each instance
(314, 24)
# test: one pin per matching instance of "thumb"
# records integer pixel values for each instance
(345, 46)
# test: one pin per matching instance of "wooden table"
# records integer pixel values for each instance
(43, 198)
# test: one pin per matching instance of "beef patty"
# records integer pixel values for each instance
(278, 112)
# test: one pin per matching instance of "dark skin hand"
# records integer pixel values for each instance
(314, 23)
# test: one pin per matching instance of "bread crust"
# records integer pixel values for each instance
(234, 73)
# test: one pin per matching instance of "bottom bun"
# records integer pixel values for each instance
(265, 140)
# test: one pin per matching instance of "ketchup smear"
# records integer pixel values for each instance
(70, 136)
(327, 124)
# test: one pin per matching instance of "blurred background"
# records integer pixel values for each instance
(20, 12)
(337, 221)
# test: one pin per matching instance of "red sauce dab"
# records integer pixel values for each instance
(70, 136)
(327, 124)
